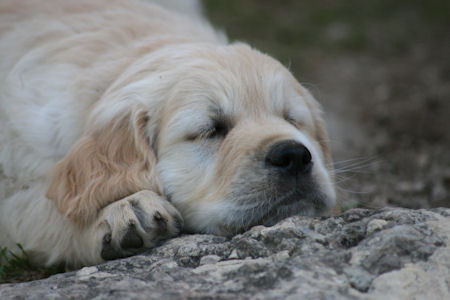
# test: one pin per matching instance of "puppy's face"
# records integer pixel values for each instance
(240, 143)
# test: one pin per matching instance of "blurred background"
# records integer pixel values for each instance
(381, 69)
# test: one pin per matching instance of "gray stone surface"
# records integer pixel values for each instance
(362, 254)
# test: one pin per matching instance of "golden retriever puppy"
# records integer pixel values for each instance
(120, 119)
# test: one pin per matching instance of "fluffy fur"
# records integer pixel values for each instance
(118, 119)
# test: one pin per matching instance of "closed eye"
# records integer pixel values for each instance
(289, 118)
(218, 130)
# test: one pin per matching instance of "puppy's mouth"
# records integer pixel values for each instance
(273, 207)
(294, 203)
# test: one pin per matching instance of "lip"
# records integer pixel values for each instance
(294, 203)
(288, 200)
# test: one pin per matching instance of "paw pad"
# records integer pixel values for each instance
(131, 239)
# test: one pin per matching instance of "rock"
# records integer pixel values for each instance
(375, 225)
(361, 254)
(209, 259)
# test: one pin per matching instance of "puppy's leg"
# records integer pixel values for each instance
(123, 228)
(28, 218)
(132, 224)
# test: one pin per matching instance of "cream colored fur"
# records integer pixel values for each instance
(104, 107)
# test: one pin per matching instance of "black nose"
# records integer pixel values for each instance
(290, 157)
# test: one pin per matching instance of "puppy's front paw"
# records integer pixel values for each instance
(136, 223)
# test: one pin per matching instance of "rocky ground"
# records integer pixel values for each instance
(362, 254)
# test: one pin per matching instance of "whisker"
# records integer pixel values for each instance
(352, 191)
(342, 180)
(369, 206)
(356, 159)
(355, 165)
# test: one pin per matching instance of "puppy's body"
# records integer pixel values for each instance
(58, 58)
(107, 108)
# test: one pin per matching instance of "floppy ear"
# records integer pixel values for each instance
(105, 165)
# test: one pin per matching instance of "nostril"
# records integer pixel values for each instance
(282, 159)
(306, 155)
(289, 156)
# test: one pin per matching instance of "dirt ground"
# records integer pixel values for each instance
(381, 69)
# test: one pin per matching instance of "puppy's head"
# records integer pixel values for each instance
(225, 132)
(241, 143)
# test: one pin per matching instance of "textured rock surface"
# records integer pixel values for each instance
(362, 254)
